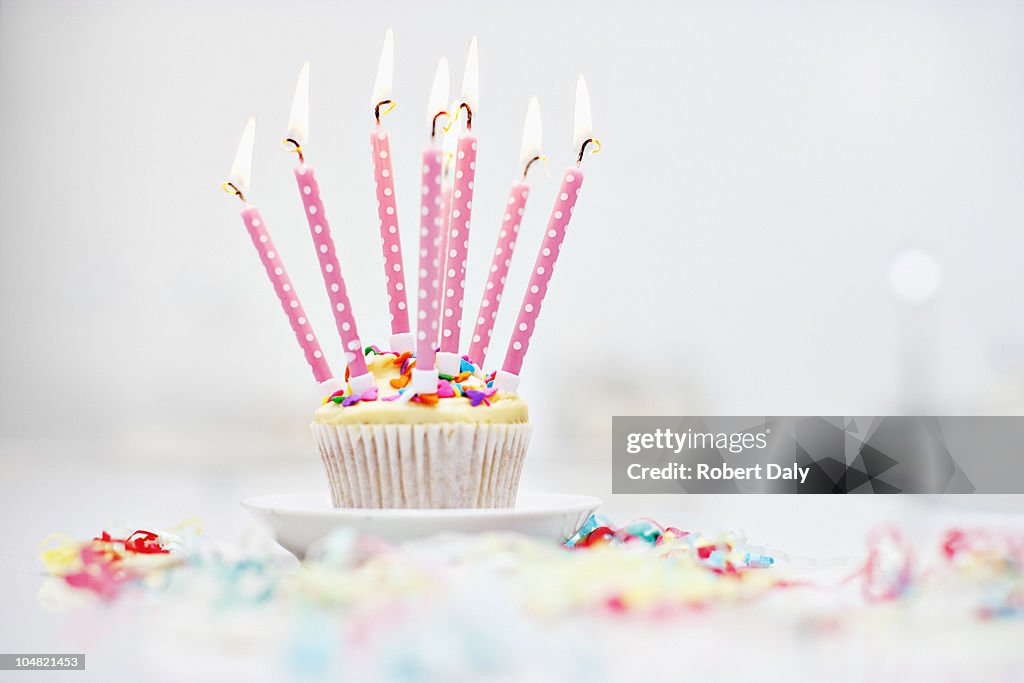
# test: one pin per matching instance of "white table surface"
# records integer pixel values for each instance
(46, 489)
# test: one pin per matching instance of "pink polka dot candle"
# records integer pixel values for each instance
(449, 361)
(425, 374)
(387, 209)
(502, 257)
(448, 161)
(238, 183)
(360, 378)
(565, 201)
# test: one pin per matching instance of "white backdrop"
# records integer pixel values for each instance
(762, 167)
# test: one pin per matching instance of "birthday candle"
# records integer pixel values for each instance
(508, 377)
(387, 209)
(313, 207)
(448, 160)
(529, 152)
(238, 184)
(449, 362)
(425, 374)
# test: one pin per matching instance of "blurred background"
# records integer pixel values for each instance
(799, 208)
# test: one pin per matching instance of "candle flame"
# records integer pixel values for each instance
(298, 120)
(385, 70)
(583, 125)
(241, 169)
(438, 91)
(530, 147)
(471, 77)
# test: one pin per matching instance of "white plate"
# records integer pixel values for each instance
(298, 520)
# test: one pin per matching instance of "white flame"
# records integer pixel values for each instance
(298, 120)
(241, 169)
(385, 70)
(438, 91)
(471, 77)
(531, 133)
(583, 125)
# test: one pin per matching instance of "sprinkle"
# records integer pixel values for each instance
(462, 376)
(404, 356)
(337, 399)
(445, 390)
(426, 399)
(374, 349)
(466, 365)
(401, 381)
(368, 395)
(339, 392)
(476, 396)
(445, 377)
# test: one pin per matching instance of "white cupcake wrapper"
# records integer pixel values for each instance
(448, 465)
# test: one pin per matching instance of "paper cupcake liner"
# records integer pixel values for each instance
(449, 465)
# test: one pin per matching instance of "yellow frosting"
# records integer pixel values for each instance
(505, 408)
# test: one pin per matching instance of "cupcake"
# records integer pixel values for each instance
(463, 448)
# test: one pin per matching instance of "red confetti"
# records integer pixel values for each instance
(146, 543)
(600, 536)
(955, 542)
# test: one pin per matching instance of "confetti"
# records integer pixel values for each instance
(107, 563)
(643, 567)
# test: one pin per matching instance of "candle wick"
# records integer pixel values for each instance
(296, 147)
(433, 123)
(469, 115)
(539, 157)
(231, 188)
(583, 149)
(377, 113)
